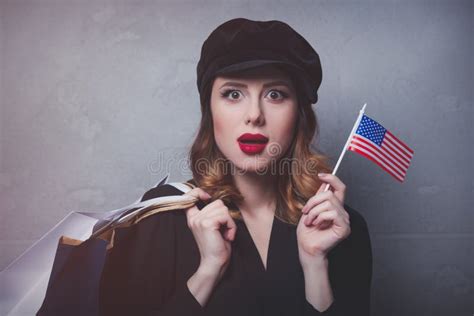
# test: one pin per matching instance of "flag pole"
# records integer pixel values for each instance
(356, 124)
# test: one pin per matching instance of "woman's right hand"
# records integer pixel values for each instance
(205, 224)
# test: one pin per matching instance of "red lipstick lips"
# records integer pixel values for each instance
(252, 143)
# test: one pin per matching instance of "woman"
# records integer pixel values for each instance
(268, 239)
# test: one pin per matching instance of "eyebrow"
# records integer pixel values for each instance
(271, 83)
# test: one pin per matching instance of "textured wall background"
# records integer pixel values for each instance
(97, 95)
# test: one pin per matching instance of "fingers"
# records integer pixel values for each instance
(228, 224)
(218, 212)
(319, 198)
(321, 187)
(322, 217)
(325, 216)
(338, 186)
(338, 189)
(200, 194)
(192, 211)
(315, 211)
(340, 218)
(325, 211)
(326, 206)
(208, 211)
(216, 216)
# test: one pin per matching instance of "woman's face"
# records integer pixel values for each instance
(261, 102)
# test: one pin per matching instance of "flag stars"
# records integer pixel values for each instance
(371, 129)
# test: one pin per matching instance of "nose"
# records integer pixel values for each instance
(255, 114)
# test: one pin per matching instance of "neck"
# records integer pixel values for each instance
(259, 192)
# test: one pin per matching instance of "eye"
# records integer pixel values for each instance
(231, 94)
(277, 94)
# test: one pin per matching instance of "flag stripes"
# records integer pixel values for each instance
(379, 145)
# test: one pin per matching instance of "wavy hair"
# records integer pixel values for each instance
(298, 166)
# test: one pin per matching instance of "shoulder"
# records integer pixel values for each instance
(143, 249)
(167, 189)
(163, 223)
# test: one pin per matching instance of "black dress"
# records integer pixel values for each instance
(147, 270)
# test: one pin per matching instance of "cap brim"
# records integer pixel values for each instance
(248, 65)
(308, 87)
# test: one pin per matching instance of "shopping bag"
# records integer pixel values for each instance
(60, 274)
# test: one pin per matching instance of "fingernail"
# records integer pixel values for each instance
(322, 174)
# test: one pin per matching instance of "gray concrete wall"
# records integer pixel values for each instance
(96, 94)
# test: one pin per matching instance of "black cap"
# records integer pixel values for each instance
(240, 44)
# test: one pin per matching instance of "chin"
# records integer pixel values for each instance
(255, 164)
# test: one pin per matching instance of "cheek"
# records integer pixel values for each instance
(222, 128)
(218, 122)
(284, 126)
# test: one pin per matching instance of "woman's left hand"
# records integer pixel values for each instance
(324, 222)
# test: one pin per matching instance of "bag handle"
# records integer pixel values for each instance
(151, 207)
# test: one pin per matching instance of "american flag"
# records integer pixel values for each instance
(376, 143)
